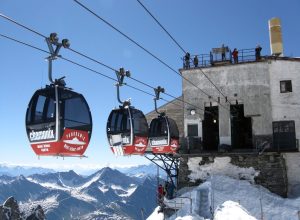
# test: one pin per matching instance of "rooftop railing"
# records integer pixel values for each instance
(218, 58)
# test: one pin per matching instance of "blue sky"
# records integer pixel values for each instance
(197, 25)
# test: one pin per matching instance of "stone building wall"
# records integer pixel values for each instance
(270, 166)
(293, 173)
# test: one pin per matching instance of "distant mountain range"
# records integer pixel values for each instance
(106, 194)
(16, 170)
(137, 171)
(143, 171)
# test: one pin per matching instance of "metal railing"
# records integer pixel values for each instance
(207, 60)
(178, 203)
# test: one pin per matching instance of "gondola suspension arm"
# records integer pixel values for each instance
(120, 76)
(52, 41)
(157, 91)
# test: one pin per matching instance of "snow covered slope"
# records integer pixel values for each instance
(231, 199)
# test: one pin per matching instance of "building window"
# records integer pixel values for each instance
(286, 86)
(193, 130)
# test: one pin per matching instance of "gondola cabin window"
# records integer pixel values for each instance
(76, 113)
(41, 109)
(140, 125)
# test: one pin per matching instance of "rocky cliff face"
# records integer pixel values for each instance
(10, 211)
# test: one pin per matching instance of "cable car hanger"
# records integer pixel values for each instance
(163, 131)
(52, 40)
(157, 91)
(58, 120)
(120, 76)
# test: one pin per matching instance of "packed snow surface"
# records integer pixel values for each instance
(221, 166)
(230, 199)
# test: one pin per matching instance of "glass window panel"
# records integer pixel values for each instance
(193, 130)
(76, 112)
(51, 109)
(140, 124)
(38, 116)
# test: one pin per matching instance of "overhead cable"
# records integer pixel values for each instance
(79, 53)
(146, 50)
(144, 7)
(184, 51)
(95, 71)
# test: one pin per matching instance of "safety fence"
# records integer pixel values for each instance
(212, 59)
(179, 202)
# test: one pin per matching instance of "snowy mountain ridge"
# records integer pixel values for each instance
(68, 195)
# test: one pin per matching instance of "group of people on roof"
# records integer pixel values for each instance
(234, 54)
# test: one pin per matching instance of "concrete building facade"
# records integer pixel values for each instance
(264, 92)
(255, 113)
(257, 105)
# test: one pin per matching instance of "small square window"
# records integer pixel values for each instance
(286, 86)
(193, 130)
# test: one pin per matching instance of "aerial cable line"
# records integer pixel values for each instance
(81, 54)
(143, 48)
(75, 63)
(96, 61)
(92, 70)
(134, 79)
(41, 35)
(179, 45)
(20, 42)
(23, 26)
(183, 50)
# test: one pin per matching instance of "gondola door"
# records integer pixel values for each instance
(42, 121)
(75, 123)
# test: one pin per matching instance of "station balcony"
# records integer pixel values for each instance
(215, 58)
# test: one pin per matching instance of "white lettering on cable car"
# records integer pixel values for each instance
(41, 135)
(43, 147)
(74, 141)
(70, 148)
(159, 142)
(75, 134)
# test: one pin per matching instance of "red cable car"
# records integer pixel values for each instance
(58, 122)
(127, 131)
(163, 135)
(163, 132)
(127, 128)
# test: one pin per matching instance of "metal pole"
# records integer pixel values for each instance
(191, 208)
(261, 207)
(142, 212)
(212, 196)
(157, 193)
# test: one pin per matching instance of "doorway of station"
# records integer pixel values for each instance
(210, 128)
(241, 128)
